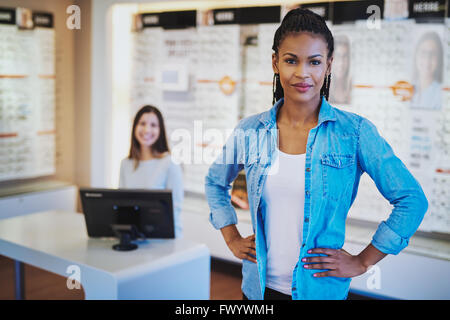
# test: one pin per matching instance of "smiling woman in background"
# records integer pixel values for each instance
(149, 164)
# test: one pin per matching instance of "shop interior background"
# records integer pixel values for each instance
(68, 96)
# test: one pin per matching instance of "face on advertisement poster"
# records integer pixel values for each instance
(428, 67)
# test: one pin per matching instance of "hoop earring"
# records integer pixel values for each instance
(328, 86)
(324, 86)
(275, 78)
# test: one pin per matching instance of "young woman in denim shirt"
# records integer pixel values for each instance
(303, 161)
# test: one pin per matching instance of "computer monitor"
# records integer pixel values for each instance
(128, 214)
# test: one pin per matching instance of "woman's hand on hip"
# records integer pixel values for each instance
(338, 262)
(243, 248)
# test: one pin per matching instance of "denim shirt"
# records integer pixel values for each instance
(339, 150)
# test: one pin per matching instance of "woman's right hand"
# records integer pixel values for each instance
(243, 248)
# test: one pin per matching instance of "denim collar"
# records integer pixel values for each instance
(269, 118)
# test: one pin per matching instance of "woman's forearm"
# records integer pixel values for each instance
(230, 232)
(370, 256)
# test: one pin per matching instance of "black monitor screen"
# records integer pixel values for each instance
(150, 211)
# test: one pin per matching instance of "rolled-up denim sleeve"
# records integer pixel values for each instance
(221, 173)
(396, 184)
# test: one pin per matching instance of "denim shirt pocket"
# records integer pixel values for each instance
(337, 173)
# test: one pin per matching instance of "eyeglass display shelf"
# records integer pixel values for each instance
(16, 188)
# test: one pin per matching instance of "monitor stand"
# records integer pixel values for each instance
(125, 233)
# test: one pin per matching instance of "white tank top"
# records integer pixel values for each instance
(284, 196)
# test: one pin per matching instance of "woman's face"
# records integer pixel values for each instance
(147, 129)
(302, 64)
(427, 60)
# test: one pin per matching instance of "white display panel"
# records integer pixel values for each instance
(146, 58)
(27, 102)
(178, 104)
(217, 96)
(258, 71)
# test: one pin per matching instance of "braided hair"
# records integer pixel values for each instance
(298, 20)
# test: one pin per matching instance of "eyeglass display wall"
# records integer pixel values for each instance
(27, 94)
(396, 74)
(191, 75)
(402, 86)
(199, 78)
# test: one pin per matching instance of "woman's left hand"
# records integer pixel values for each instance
(339, 262)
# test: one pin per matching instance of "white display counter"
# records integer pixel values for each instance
(21, 199)
(57, 241)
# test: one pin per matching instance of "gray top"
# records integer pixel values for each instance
(156, 174)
